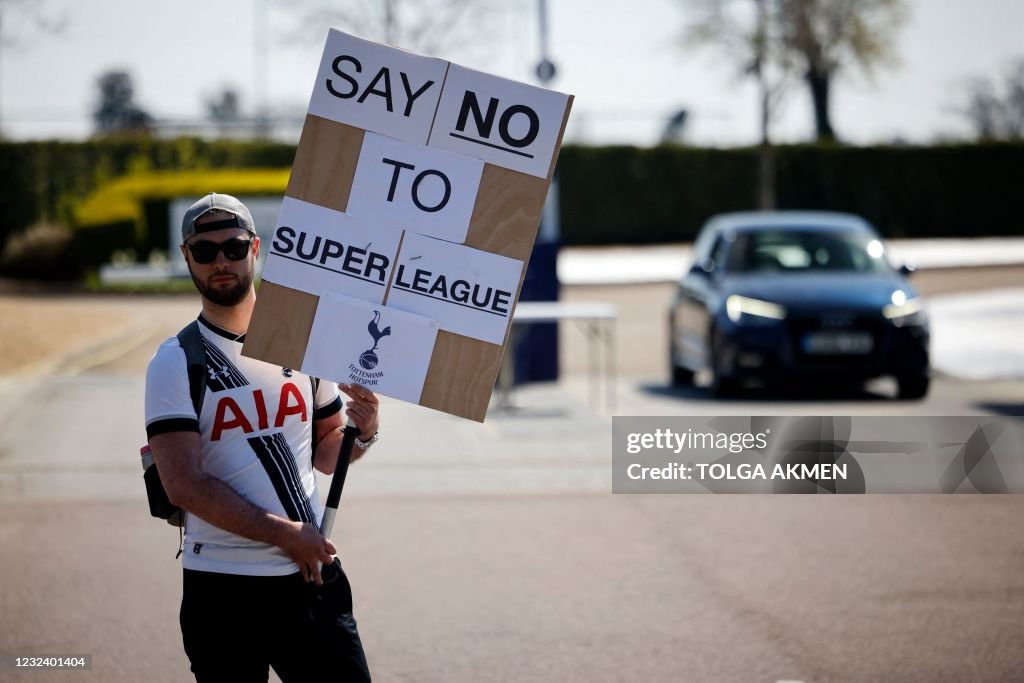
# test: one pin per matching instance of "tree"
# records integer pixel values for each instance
(224, 107)
(430, 27)
(814, 39)
(117, 111)
(995, 115)
(745, 30)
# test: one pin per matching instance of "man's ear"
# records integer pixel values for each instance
(256, 246)
(184, 251)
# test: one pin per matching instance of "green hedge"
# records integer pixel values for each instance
(628, 195)
(625, 195)
(44, 180)
(609, 195)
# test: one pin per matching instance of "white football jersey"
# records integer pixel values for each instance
(257, 433)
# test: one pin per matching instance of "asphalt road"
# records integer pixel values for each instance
(505, 558)
(574, 588)
(495, 552)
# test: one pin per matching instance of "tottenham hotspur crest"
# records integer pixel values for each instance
(368, 359)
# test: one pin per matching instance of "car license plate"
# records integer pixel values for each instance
(838, 343)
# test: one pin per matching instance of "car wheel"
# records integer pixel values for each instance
(724, 387)
(721, 385)
(681, 377)
(912, 387)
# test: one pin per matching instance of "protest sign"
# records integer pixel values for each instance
(503, 122)
(416, 188)
(415, 197)
(375, 87)
(468, 291)
(384, 349)
(320, 250)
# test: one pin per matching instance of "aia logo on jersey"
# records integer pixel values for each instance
(230, 415)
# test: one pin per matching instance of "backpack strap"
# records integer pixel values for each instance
(191, 340)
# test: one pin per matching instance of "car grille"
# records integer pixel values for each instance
(838, 322)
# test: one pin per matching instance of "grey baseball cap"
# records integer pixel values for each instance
(240, 216)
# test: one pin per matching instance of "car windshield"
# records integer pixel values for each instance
(797, 251)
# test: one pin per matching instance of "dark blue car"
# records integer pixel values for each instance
(797, 298)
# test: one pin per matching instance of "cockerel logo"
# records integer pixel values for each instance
(368, 359)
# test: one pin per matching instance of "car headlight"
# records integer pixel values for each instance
(737, 307)
(909, 312)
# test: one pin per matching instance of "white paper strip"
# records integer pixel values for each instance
(379, 88)
(468, 291)
(383, 349)
(318, 250)
(418, 188)
(503, 122)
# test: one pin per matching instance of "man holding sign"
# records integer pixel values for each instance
(242, 470)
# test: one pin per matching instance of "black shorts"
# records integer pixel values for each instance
(236, 627)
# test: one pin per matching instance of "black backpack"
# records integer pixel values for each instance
(191, 340)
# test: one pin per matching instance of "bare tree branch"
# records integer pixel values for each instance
(23, 20)
(432, 27)
(996, 115)
(814, 38)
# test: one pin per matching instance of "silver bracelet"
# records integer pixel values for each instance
(363, 445)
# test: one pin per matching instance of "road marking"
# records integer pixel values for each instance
(105, 352)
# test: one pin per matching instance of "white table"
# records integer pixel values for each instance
(598, 323)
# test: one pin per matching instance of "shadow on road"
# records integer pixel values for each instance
(1007, 409)
(517, 412)
(768, 394)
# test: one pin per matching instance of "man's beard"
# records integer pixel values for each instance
(231, 296)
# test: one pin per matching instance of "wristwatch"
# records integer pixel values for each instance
(363, 445)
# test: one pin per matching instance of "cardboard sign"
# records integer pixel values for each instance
(503, 122)
(417, 190)
(318, 250)
(380, 88)
(409, 186)
(468, 291)
(381, 348)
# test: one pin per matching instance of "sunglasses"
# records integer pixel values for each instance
(205, 251)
